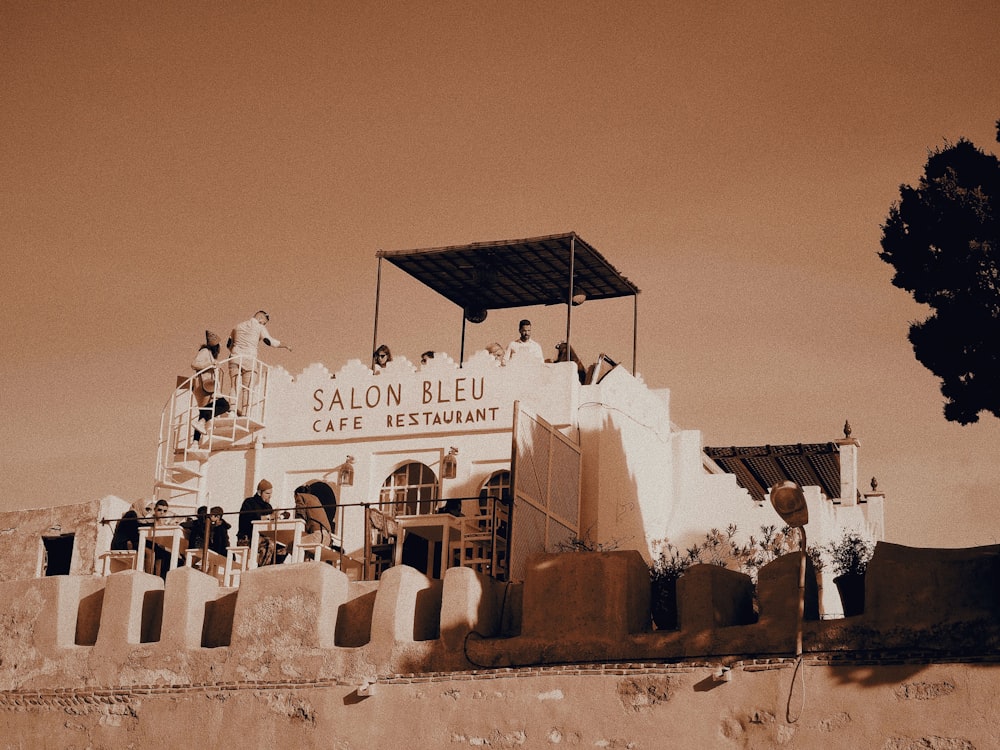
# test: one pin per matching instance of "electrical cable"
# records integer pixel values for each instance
(791, 689)
(465, 641)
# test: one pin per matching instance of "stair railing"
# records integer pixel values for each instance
(181, 414)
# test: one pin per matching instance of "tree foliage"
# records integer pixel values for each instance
(943, 239)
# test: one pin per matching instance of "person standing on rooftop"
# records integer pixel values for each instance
(380, 358)
(498, 353)
(524, 346)
(243, 344)
(204, 385)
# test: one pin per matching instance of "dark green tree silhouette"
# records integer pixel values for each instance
(943, 239)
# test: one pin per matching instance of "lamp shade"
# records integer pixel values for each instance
(790, 503)
(347, 472)
(449, 464)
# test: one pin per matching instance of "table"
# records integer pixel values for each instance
(288, 531)
(443, 528)
(168, 536)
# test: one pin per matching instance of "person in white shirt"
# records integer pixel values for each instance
(243, 343)
(524, 347)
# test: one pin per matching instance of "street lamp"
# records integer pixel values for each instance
(790, 503)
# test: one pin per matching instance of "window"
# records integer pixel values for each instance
(58, 554)
(498, 486)
(409, 490)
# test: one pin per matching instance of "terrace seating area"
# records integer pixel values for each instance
(430, 542)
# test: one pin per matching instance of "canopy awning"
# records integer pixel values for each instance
(514, 273)
(482, 276)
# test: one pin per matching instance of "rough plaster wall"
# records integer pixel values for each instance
(902, 707)
(21, 533)
(277, 683)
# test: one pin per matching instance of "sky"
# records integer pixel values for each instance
(169, 168)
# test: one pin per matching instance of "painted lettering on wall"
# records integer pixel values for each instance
(338, 425)
(451, 416)
(370, 397)
(354, 408)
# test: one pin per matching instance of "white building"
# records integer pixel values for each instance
(598, 460)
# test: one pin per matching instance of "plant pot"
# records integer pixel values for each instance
(663, 603)
(852, 593)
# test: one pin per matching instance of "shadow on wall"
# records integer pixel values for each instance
(573, 607)
(614, 508)
(354, 617)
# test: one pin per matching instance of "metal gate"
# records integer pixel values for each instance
(545, 484)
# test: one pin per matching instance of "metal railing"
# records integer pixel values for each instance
(236, 411)
(358, 535)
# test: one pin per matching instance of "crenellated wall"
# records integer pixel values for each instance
(310, 619)
(299, 647)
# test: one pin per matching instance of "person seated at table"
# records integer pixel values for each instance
(194, 528)
(256, 508)
(161, 555)
(453, 506)
(310, 509)
(126, 534)
(218, 541)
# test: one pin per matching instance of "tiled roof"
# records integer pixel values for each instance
(760, 467)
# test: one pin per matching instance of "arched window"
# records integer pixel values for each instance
(409, 490)
(497, 485)
(494, 523)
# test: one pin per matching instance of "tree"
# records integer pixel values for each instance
(943, 239)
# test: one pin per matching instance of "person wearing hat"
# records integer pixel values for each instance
(218, 541)
(243, 343)
(255, 508)
(205, 385)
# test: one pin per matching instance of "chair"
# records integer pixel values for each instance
(500, 566)
(216, 563)
(483, 536)
(383, 534)
(319, 552)
(597, 371)
(237, 562)
(117, 560)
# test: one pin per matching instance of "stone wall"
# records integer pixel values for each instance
(907, 704)
(300, 656)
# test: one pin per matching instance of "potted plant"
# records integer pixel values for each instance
(668, 565)
(850, 555)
